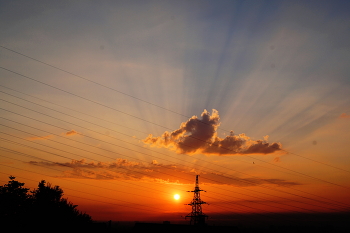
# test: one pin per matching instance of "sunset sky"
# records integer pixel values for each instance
(123, 103)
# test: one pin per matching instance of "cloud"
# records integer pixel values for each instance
(199, 136)
(155, 162)
(118, 163)
(40, 138)
(71, 133)
(118, 169)
(344, 116)
(122, 169)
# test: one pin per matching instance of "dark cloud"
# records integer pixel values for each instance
(199, 136)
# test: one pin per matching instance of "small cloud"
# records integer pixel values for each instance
(71, 133)
(277, 159)
(193, 170)
(266, 138)
(344, 116)
(154, 162)
(40, 138)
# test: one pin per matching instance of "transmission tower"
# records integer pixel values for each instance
(197, 216)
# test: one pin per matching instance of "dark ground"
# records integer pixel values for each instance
(286, 223)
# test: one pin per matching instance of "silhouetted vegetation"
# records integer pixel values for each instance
(43, 208)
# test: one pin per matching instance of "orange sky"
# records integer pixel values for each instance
(123, 104)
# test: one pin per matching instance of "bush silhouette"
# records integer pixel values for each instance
(43, 207)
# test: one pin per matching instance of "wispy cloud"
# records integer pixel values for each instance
(122, 169)
(40, 138)
(199, 136)
(344, 116)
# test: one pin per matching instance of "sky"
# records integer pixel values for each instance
(123, 103)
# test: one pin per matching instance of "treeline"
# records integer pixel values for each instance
(42, 208)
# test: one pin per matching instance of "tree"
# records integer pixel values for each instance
(50, 208)
(14, 200)
(47, 193)
(42, 208)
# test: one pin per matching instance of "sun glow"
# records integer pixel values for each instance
(176, 196)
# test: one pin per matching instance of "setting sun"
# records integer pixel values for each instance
(176, 196)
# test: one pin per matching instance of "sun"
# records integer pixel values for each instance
(176, 196)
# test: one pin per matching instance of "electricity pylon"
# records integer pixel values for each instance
(197, 216)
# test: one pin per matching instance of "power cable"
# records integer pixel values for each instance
(105, 188)
(142, 100)
(143, 147)
(35, 103)
(151, 103)
(36, 135)
(222, 207)
(165, 127)
(134, 205)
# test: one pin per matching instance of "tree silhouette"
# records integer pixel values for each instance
(41, 208)
(14, 200)
(47, 193)
(50, 208)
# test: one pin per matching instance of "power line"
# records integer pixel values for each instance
(139, 99)
(94, 82)
(134, 205)
(294, 171)
(70, 109)
(55, 169)
(82, 119)
(246, 181)
(143, 147)
(222, 207)
(93, 123)
(106, 188)
(79, 148)
(138, 185)
(55, 110)
(86, 177)
(138, 172)
(165, 109)
(155, 124)
(113, 203)
(92, 101)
